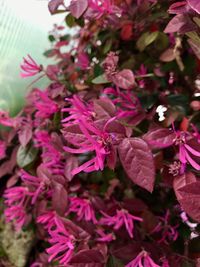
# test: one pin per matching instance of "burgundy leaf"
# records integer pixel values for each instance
(112, 158)
(78, 7)
(53, 5)
(159, 138)
(72, 133)
(190, 199)
(25, 134)
(124, 79)
(194, 4)
(187, 191)
(180, 23)
(84, 257)
(178, 8)
(137, 161)
(104, 108)
(59, 198)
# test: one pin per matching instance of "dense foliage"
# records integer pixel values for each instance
(102, 166)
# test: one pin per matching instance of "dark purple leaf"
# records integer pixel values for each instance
(53, 5)
(183, 180)
(159, 138)
(124, 79)
(194, 4)
(78, 7)
(59, 198)
(137, 160)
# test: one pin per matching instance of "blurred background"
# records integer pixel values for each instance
(24, 27)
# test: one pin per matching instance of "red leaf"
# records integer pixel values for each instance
(137, 161)
(59, 198)
(125, 79)
(159, 138)
(78, 7)
(53, 5)
(187, 190)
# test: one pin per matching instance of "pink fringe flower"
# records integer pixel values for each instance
(35, 184)
(187, 153)
(102, 7)
(52, 157)
(63, 243)
(96, 140)
(47, 219)
(167, 232)
(82, 208)
(44, 105)
(123, 217)
(16, 202)
(105, 237)
(29, 67)
(142, 260)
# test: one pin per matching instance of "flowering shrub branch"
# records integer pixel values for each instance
(103, 164)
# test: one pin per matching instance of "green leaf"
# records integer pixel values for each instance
(100, 80)
(107, 46)
(161, 41)
(26, 155)
(146, 39)
(114, 262)
(48, 53)
(70, 21)
(51, 38)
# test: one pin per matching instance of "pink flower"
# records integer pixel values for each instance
(167, 232)
(105, 237)
(83, 61)
(110, 65)
(2, 149)
(142, 72)
(47, 219)
(44, 105)
(142, 260)
(35, 184)
(51, 156)
(101, 7)
(187, 152)
(6, 120)
(122, 217)
(63, 243)
(83, 209)
(16, 202)
(29, 67)
(127, 103)
(96, 140)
